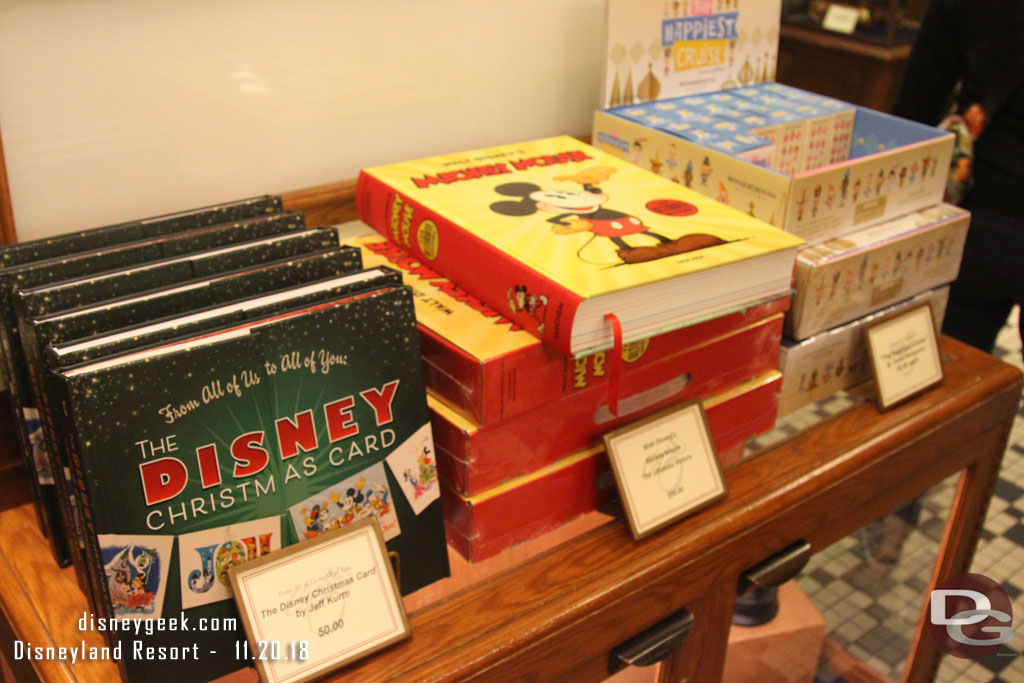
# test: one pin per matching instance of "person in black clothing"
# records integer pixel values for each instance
(979, 44)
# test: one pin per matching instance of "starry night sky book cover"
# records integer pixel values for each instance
(130, 231)
(68, 266)
(107, 315)
(50, 298)
(218, 449)
(165, 330)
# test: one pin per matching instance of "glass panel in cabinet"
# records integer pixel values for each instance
(871, 587)
(1000, 557)
(852, 611)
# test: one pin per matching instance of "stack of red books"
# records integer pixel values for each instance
(518, 421)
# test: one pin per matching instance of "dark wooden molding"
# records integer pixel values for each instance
(324, 204)
(7, 232)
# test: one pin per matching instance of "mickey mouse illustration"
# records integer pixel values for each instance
(520, 300)
(349, 504)
(583, 211)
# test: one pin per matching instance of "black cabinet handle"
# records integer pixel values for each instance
(777, 569)
(654, 644)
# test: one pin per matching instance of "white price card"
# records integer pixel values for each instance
(904, 356)
(317, 605)
(840, 18)
(666, 467)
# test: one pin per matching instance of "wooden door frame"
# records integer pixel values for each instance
(7, 233)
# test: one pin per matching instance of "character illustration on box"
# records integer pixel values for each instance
(723, 193)
(133, 577)
(583, 210)
(520, 300)
(424, 479)
(705, 171)
(672, 161)
(637, 156)
(688, 174)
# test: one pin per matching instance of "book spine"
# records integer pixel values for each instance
(109, 235)
(484, 458)
(32, 449)
(36, 376)
(93, 560)
(483, 269)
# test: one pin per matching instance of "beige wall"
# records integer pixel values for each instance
(112, 110)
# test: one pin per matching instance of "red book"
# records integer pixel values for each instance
(556, 234)
(488, 369)
(476, 458)
(483, 525)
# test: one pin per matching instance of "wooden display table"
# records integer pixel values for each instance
(557, 615)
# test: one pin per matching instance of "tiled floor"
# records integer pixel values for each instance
(871, 586)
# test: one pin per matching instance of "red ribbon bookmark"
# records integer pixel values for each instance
(616, 363)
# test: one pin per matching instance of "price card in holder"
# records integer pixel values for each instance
(666, 467)
(904, 356)
(319, 604)
(840, 18)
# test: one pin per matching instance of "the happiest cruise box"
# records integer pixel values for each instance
(837, 359)
(847, 277)
(659, 52)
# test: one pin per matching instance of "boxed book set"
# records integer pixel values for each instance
(864, 188)
(847, 283)
(836, 169)
(836, 359)
(519, 239)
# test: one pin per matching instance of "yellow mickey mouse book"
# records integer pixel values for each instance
(556, 234)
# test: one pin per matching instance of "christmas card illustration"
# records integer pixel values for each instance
(135, 570)
(366, 494)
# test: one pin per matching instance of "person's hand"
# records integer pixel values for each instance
(976, 119)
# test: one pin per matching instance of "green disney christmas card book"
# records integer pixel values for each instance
(216, 449)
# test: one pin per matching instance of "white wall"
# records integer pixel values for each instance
(112, 110)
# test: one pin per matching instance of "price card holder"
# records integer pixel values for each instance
(840, 18)
(666, 467)
(904, 356)
(315, 606)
